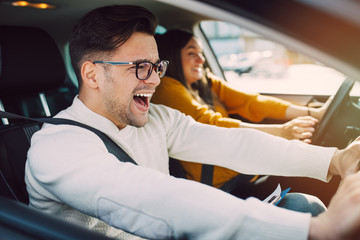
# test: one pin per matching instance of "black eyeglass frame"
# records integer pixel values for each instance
(155, 66)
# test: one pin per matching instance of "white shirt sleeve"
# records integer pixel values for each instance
(244, 150)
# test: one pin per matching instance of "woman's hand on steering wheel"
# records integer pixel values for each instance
(301, 128)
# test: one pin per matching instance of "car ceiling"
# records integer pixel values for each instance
(327, 27)
(69, 11)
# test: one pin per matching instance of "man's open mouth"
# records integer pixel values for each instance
(142, 99)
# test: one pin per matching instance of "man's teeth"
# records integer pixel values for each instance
(143, 95)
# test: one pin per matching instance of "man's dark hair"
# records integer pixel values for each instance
(102, 30)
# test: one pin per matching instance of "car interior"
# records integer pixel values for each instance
(36, 81)
(39, 89)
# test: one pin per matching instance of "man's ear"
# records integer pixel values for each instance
(88, 73)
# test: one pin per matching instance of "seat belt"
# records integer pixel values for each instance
(207, 173)
(111, 146)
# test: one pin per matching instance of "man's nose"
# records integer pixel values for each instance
(154, 79)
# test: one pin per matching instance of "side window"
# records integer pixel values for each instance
(160, 29)
(260, 65)
(68, 65)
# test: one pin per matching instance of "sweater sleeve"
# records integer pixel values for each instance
(173, 94)
(254, 107)
(247, 150)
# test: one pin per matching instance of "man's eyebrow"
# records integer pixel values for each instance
(141, 59)
(145, 59)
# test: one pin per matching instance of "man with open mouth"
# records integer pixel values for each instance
(70, 173)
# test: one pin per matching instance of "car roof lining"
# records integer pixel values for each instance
(274, 25)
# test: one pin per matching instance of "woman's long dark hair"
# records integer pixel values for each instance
(169, 46)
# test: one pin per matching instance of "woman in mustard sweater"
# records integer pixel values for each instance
(209, 99)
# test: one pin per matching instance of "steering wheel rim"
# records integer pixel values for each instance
(340, 99)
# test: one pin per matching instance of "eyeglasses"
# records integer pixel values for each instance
(143, 68)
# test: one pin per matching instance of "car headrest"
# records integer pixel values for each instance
(30, 61)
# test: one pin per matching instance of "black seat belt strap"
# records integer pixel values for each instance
(111, 146)
(207, 173)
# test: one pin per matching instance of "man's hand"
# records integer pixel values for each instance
(342, 220)
(301, 128)
(346, 162)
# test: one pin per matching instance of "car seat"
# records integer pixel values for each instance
(33, 83)
(33, 79)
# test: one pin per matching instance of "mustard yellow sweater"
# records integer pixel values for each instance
(254, 107)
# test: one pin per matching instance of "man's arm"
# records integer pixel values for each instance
(247, 150)
(254, 152)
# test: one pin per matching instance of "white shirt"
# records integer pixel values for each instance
(69, 173)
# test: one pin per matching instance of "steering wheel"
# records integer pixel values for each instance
(340, 101)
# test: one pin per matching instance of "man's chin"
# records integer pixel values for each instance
(139, 121)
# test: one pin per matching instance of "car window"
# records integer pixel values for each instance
(160, 29)
(256, 64)
(69, 68)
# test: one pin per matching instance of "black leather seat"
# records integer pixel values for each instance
(33, 84)
(33, 79)
(14, 144)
